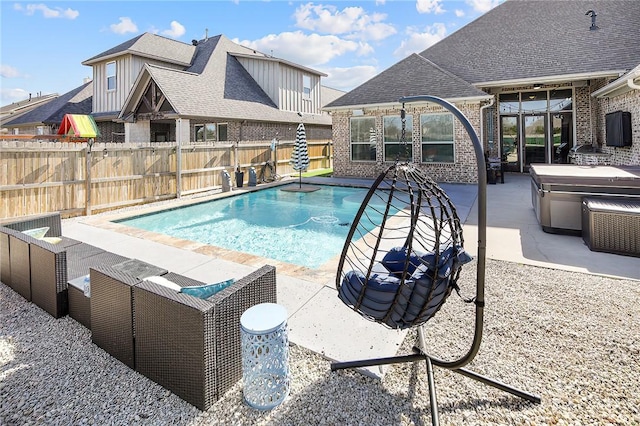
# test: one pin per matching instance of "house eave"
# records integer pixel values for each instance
(283, 61)
(468, 99)
(620, 86)
(564, 78)
(105, 58)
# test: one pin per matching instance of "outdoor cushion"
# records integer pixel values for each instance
(164, 282)
(37, 233)
(379, 293)
(51, 240)
(395, 258)
(207, 290)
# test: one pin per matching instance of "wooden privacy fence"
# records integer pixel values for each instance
(43, 177)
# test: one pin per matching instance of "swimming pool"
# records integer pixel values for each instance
(304, 229)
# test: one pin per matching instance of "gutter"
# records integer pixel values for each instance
(482, 108)
(395, 104)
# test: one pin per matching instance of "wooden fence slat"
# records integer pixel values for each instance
(39, 177)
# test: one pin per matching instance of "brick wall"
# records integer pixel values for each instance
(630, 101)
(463, 170)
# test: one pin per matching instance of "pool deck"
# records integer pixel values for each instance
(318, 320)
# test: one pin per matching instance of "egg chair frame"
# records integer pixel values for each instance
(479, 301)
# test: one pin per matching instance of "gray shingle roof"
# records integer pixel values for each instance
(412, 76)
(150, 46)
(222, 88)
(523, 39)
(76, 101)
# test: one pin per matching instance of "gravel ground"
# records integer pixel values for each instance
(571, 338)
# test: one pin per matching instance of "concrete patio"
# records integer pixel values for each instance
(317, 318)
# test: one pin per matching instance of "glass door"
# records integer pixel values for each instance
(534, 136)
(509, 130)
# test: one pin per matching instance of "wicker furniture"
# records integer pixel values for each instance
(112, 309)
(192, 346)
(16, 250)
(611, 225)
(79, 304)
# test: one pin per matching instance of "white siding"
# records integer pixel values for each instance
(265, 73)
(283, 84)
(127, 69)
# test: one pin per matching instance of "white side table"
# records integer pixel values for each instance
(265, 355)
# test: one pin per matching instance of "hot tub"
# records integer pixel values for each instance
(557, 191)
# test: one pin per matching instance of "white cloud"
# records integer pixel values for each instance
(459, 13)
(12, 95)
(418, 41)
(309, 50)
(46, 11)
(350, 20)
(429, 6)
(8, 72)
(126, 25)
(348, 78)
(177, 30)
(483, 5)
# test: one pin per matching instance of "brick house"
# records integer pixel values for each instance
(535, 78)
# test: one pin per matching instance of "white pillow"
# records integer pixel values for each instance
(165, 282)
(37, 233)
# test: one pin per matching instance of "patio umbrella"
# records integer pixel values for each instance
(300, 155)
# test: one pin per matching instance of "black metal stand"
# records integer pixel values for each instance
(420, 354)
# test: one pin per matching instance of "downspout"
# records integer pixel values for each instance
(482, 108)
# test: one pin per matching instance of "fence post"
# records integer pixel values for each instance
(88, 174)
(179, 159)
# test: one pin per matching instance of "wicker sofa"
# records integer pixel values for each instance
(192, 346)
(16, 250)
(39, 270)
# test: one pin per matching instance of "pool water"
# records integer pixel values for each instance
(304, 229)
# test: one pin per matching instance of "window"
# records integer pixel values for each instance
(306, 87)
(395, 147)
(210, 132)
(437, 138)
(222, 133)
(111, 76)
(363, 139)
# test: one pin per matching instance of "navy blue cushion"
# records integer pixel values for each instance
(394, 260)
(379, 293)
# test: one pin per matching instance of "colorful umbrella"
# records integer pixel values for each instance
(300, 155)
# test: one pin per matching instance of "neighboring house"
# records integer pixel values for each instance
(151, 88)
(46, 118)
(535, 78)
(14, 110)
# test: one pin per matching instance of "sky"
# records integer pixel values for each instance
(43, 44)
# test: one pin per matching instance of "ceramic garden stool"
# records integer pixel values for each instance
(265, 355)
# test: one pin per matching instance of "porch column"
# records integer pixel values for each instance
(139, 131)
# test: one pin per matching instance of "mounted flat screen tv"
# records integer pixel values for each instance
(618, 128)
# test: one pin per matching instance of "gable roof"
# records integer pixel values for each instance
(152, 46)
(537, 39)
(16, 109)
(216, 85)
(76, 101)
(412, 76)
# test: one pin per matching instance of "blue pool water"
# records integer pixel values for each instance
(305, 229)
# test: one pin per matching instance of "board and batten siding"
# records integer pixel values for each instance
(127, 69)
(283, 84)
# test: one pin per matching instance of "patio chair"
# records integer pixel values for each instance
(15, 249)
(403, 256)
(191, 346)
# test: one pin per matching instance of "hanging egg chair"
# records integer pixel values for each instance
(404, 250)
(403, 256)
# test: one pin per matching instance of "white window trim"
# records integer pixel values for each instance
(408, 138)
(114, 76)
(351, 143)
